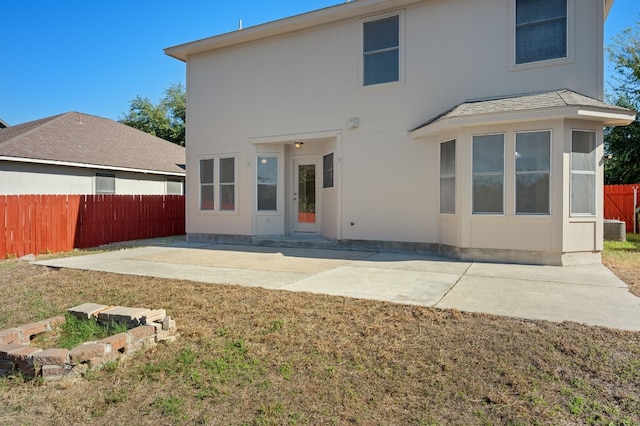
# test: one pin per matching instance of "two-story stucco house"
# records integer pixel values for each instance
(469, 128)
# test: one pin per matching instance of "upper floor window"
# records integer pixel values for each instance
(541, 30)
(381, 51)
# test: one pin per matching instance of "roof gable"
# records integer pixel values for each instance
(85, 140)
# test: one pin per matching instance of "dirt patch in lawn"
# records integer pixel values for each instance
(254, 356)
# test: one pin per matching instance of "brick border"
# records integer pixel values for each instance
(146, 328)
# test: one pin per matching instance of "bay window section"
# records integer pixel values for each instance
(267, 183)
(533, 167)
(583, 173)
(448, 177)
(488, 174)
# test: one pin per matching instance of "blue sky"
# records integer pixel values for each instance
(96, 56)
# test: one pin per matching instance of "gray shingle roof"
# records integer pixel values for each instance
(85, 139)
(523, 103)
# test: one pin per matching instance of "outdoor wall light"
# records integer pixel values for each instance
(299, 144)
(353, 123)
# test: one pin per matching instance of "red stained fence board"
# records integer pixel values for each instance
(618, 203)
(53, 223)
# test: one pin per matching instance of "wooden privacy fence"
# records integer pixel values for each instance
(619, 203)
(52, 223)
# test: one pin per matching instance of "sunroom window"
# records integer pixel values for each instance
(448, 177)
(583, 173)
(533, 167)
(488, 174)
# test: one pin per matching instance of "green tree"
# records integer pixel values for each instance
(623, 143)
(165, 120)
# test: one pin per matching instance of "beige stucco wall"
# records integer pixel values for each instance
(29, 178)
(283, 88)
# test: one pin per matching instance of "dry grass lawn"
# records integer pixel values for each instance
(249, 356)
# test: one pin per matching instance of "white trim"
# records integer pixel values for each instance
(88, 166)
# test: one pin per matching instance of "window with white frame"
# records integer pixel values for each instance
(448, 177)
(267, 183)
(540, 30)
(105, 183)
(533, 168)
(583, 173)
(220, 184)
(488, 174)
(381, 51)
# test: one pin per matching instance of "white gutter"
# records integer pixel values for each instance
(88, 166)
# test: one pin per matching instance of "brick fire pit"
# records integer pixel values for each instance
(145, 328)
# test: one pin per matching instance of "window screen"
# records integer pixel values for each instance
(533, 165)
(583, 173)
(105, 183)
(381, 50)
(488, 174)
(327, 171)
(206, 184)
(267, 183)
(448, 177)
(541, 30)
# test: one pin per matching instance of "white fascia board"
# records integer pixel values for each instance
(606, 116)
(88, 166)
(327, 15)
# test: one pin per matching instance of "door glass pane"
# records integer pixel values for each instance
(307, 193)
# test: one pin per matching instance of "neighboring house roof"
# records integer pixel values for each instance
(328, 15)
(559, 103)
(3, 124)
(83, 140)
